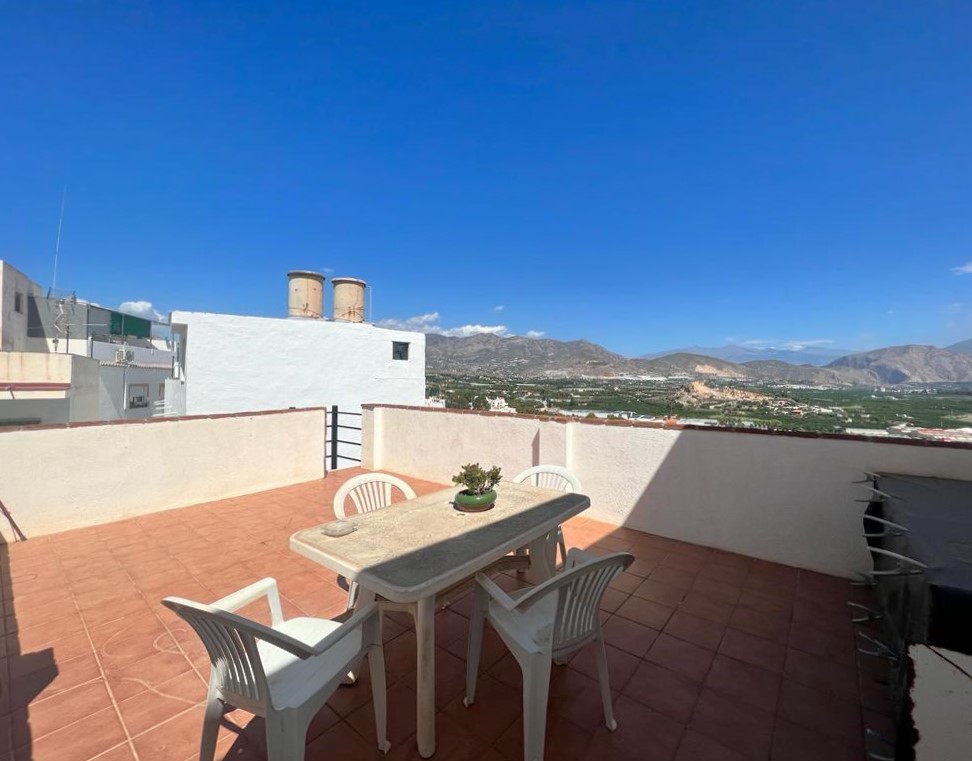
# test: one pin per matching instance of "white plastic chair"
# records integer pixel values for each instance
(370, 491)
(545, 623)
(284, 672)
(551, 477)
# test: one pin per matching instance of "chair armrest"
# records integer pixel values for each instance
(242, 597)
(358, 620)
(495, 591)
(575, 556)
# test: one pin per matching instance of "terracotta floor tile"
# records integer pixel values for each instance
(646, 612)
(612, 600)
(497, 706)
(792, 742)
(738, 726)
(663, 690)
(657, 591)
(642, 735)
(753, 650)
(160, 703)
(673, 577)
(698, 631)
(698, 747)
(629, 636)
(766, 603)
(744, 682)
(766, 625)
(820, 712)
(450, 677)
(177, 738)
(839, 647)
(563, 740)
(131, 679)
(65, 708)
(52, 680)
(621, 665)
(401, 717)
(717, 589)
(681, 656)
(353, 747)
(625, 582)
(99, 731)
(705, 607)
(822, 674)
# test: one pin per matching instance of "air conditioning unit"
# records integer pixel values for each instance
(123, 355)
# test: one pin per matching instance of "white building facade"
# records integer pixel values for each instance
(243, 364)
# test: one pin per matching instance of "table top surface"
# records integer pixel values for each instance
(423, 546)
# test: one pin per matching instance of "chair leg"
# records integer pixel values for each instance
(562, 544)
(210, 733)
(475, 646)
(536, 690)
(286, 737)
(379, 695)
(604, 680)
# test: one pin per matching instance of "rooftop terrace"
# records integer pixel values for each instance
(713, 655)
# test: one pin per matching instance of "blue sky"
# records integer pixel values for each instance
(644, 175)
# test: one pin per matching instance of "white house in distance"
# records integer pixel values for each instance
(231, 363)
(64, 360)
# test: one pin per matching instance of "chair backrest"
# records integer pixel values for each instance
(549, 477)
(579, 591)
(370, 491)
(231, 642)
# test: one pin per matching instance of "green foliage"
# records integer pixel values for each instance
(475, 479)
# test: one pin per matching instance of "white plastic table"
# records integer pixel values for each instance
(410, 552)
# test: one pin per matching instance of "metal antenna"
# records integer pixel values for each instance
(57, 244)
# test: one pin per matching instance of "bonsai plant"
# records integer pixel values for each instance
(478, 491)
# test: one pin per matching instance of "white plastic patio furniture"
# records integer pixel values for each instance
(543, 624)
(370, 491)
(423, 549)
(284, 672)
(551, 477)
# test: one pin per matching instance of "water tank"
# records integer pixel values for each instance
(349, 294)
(305, 297)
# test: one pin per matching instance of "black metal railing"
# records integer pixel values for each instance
(334, 429)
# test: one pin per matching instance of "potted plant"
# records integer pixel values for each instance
(478, 491)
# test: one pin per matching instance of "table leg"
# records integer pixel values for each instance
(425, 701)
(543, 558)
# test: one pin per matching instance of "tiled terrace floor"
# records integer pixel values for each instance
(712, 655)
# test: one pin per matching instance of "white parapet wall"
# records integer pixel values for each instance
(54, 478)
(785, 498)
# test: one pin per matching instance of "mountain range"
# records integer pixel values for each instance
(530, 358)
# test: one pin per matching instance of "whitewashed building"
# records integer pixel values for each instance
(64, 360)
(230, 363)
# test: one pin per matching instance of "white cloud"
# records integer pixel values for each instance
(534, 334)
(141, 309)
(965, 269)
(790, 344)
(429, 323)
(499, 308)
(464, 331)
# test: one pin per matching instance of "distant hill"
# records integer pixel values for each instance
(519, 357)
(694, 365)
(962, 347)
(814, 355)
(909, 364)
(516, 356)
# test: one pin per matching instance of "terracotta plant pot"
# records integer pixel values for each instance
(475, 503)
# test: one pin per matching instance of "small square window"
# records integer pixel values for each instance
(18, 302)
(399, 350)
